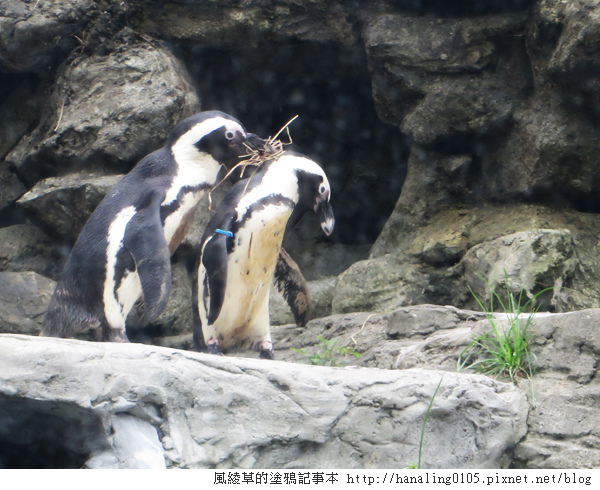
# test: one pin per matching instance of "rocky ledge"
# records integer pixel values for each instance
(69, 403)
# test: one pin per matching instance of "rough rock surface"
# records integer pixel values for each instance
(107, 111)
(27, 248)
(24, 297)
(305, 417)
(74, 196)
(563, 421)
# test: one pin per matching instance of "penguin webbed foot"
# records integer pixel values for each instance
(266, 350)
(213, 347)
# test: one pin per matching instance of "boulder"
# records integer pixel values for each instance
(550, 154)
(445, 78)
(107, 111)
(33, 35)
(27, 248)
(199, 411)
(379, 284)
(64, 204)
(562, 44)
(226, 23)
(432, 245)
(525, 264)
(563, 421)
(24, 297)
(11, 188)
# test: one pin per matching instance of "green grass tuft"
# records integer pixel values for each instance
(329, 354)
(504, 352)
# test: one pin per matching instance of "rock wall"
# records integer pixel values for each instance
(460, 139)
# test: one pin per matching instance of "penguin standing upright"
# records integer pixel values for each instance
(123, 252)
(240, 250)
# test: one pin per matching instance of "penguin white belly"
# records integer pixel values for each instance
(244, 318)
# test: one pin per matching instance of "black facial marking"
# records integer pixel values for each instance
(221, 148)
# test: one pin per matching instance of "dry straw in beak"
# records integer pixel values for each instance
(256, 158)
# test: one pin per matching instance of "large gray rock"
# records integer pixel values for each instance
(422, 255)
(27, 248)
(227, 23)
(11, 188)
(209, 411)
(550, 153)
(64, 204)
(379, 284)
(107, 111)
(24, 297)
(445, 78)
(34, 34)
(524, 263)
(564, 419)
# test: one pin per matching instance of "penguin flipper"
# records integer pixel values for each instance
(145, 241)
(214, 260)
(291, 284)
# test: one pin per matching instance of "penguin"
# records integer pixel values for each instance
(241, 248)
(123, 252)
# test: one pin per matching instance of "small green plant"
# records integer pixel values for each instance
(329, 354)
(504, 352)
(413, 466)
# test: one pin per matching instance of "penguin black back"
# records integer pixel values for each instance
(123, 252)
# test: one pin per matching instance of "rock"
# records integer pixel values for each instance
(20, 110)
(107, 111)
(563, 420)
(431, 246)
(524, 263)
(444, 78)
(27, 248)
(389, 340)
(549, 154)
(562, 44)
(319, 21)
(11, 188)
(321, 417)
(64, 204)
(319, 259)
(34, 35)
(379, 284)
(24, 297)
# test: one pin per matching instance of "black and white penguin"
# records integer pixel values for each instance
(241, 247)
(123, 252)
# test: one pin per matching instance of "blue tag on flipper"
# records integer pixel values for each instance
(224, 232)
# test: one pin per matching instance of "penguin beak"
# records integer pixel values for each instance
(255, 142)
(324, 212)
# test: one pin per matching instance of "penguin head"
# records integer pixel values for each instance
(212, 133)
(314, 191)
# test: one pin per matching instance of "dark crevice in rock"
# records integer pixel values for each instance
(47, 434)
(463, 8)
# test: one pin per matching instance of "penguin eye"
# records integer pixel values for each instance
(322, 189)
(229, 135)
